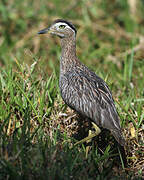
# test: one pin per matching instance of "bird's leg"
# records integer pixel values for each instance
(91, 135)
(88, 141)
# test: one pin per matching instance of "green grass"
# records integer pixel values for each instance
(37, 130)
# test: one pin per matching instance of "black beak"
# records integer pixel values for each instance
(43, 31)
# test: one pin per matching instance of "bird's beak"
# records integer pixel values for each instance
(44, 31)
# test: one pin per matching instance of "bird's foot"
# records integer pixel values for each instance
(91, 135)
(88, 141)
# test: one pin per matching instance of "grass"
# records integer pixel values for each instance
(37, 130)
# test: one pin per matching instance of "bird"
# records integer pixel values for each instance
(80, 88)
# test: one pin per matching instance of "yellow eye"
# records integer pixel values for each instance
(62, 26)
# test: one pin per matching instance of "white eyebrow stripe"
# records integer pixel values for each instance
(65, 24)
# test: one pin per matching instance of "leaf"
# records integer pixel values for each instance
(133, 132)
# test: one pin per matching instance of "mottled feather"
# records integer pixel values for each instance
(90, 96)
(82, 89)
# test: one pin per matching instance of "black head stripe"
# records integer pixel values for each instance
(67, 22)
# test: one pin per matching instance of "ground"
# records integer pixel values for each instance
(38, 131)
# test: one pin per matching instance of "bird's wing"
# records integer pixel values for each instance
(91, 97)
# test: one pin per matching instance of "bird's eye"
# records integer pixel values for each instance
(62, 26)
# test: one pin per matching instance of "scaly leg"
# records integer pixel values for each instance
(91, 135)
(88, 141)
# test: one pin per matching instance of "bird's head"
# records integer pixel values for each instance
(61, 28)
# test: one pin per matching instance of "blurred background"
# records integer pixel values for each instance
(107, 32)
(110, 41)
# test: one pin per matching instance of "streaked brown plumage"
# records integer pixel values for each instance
(80, 88)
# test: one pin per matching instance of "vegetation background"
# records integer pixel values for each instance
(37, 130)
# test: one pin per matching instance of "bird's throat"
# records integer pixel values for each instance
(68, 46)
(68, 56)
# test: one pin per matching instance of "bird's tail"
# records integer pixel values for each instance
(119, 137)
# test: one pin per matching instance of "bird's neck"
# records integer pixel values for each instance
(68, 48)
(68, 57)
